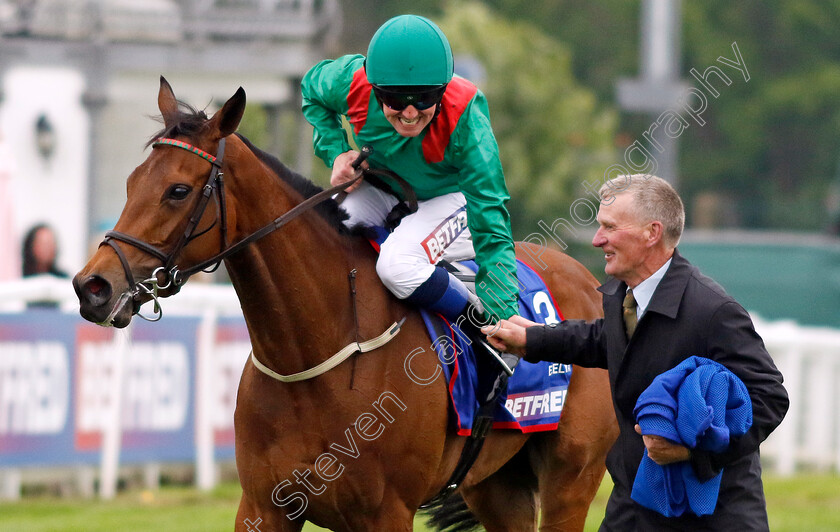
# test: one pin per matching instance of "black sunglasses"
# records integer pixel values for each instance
(398, 98)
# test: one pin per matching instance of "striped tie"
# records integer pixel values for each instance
(629, 313)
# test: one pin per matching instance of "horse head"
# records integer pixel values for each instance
(168, 224)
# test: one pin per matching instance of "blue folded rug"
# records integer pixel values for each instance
(698, 404)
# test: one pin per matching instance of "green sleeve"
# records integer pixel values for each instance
(483, 183)
(324, 91)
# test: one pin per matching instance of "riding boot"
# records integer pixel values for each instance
(442, 293)
(445, 294)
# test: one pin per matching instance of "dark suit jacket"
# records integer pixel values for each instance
(689, 314)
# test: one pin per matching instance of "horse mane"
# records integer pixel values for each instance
(329, 208)
(190, 122)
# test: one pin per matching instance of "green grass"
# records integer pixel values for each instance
(171, 508)
(805, 502)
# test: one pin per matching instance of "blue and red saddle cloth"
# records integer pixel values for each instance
(536, 392)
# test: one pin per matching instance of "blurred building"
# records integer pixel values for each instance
(79, 81)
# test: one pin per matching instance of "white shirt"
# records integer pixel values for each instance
(644, 290)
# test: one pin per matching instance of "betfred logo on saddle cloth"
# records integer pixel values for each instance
(444, 234)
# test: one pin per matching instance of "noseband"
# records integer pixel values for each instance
(173, 277)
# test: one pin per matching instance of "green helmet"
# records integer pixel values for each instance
(409, 50)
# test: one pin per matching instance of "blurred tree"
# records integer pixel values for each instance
(552, 132)
(770, 146)
(772, 143)
(602, 36)
(254, 126)
(361, 18)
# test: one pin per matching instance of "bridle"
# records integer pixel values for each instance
(172, 276)
(169, 275)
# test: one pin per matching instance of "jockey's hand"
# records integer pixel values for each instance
(343, 171)
(509, 335)
(663, 451)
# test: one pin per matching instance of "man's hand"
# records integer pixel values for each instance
(343, 171)
(509, 335)
(662, 451)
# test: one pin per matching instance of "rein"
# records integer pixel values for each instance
(173, 277)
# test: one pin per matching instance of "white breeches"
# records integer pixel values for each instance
(438, 230)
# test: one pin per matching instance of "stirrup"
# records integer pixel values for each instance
(507, 361)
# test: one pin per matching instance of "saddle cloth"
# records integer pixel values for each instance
(536, 392)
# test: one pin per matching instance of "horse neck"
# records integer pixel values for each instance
(294, 283)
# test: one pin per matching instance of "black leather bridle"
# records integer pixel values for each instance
(169, 275)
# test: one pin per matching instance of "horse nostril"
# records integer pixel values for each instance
(96, 290)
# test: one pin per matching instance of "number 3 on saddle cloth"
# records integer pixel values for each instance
(535, 392)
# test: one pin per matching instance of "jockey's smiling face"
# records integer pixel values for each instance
(409, 122)
(409, 64)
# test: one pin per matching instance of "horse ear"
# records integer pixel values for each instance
(228, 117)
(167, 103)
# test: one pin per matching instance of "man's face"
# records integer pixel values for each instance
(409, 122)
(623, 238)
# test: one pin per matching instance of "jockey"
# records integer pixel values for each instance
(432, 129)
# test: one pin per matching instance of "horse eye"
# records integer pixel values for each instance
(178, 192)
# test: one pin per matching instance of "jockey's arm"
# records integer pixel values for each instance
(483, 184)
(324, 92)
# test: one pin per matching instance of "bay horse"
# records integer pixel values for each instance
(363, 445)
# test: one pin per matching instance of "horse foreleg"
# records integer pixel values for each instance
(393, 520)
(567, 487)
(251, 518)
(506, 500)
(570, 461)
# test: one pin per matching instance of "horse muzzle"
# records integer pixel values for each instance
(99, 304)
